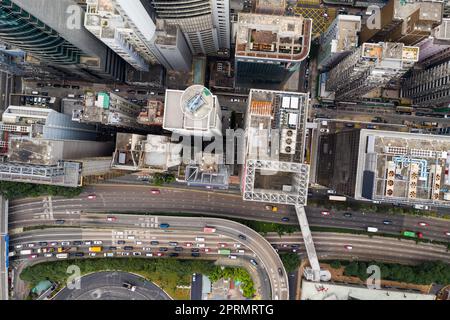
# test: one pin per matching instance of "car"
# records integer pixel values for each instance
(98, 242)
(40, 85)
(77, 243)
(136, 253)
(350, 125)
(35, 92)
(54, 243)
(347, 215)
(112, 248)
(195, 250)
(280, 272)
(109, 254)
(130, 237)
(242, 237)
(163, 249)
(87, 243)
(423, 224)
(387, 222)
(131, 91)
(206, 250)
(128, 248)
(138, 242)
(116, 90)
(92, 254)
(195, 254)
(76, 87)
(164, 225)
(237, 245)
(178, 248)
(48, 255)
(173, 254)
(295, 246)
(125, 253)
(324, 130)
(111, 219)
(60, 221)
(92, 197)
(188, 244)
(33, 256)
(173, 243)
(154, 242)
(30, 245)
(325, 213)
(447, 233)
(121, 242)
(160, 254)
(271, 208)
(222, 245)
(253, 262)
(19, 246)
(79, 254)
(284, 245)
(155, 191)
(65, 243)
(43, 243)
(285, 219)
(129, 286)
(348, 247)
(149, 254)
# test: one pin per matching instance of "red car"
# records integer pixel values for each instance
(33, 256)
(111, 219)
(222, 245)
(155, 191)
(92, 197)
(159, 254)
(348, 247)
(423, 224)
(206, 250)
(325, 213)
(419, 234)
(188, 244)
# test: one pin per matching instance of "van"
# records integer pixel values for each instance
(199, 239)
(233, 257)
(372, 229)
(241, 251)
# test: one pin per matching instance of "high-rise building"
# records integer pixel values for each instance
(129, 28)
(48, 31)
(275, 131)
(339, 40)
(408, 22)
(373, 65)
(436, 48)
(192, 112)
(269, 48)
(205, 23)
(429, 87)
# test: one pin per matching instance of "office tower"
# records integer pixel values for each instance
(129, 28)
(339, 40)
(44, 29)
(269, 48)
(406, 22)
(275, 7)
(275, 133)
(373, 65)
(429, 87)
(436, 48)
(40, 145)
(205, 23)
(192, 112)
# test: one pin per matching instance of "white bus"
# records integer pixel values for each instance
(62, 256)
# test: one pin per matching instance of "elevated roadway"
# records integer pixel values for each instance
(4, 239)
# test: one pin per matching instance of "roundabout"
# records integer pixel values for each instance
(113, 285)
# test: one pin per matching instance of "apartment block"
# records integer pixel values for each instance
(373, 65)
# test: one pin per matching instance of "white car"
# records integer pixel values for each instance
(54, 244)
(65, 243)
(92, 254)
(136, 253)
(48, 255)
(30, 245)
(147, 249)
(348, 247)
(324, 130)
(149, 254)
(98, 242)
(237, 245)
(19, 246)
(138, 242)
(87, 243)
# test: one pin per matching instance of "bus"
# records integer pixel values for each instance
(24, 252)
(62, 256)
(95, 249)
(404, 109)
(224, 251)
(209, 229)
(337, 198)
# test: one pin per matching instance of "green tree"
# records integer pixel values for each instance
(290, 260)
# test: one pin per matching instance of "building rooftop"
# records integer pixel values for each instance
(274, 150)
(330, 291)
(152, 114)
(403, 167)
(273, 37)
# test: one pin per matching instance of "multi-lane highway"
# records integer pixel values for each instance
(117, 198)
(146, 227)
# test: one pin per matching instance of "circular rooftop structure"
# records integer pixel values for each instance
(197, 102)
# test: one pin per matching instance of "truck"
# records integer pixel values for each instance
(412, 234)
(25, 252)
(208, 229)
(337, 198)
(272, 208)
(95, 249)
(372, 229)
(62, 256)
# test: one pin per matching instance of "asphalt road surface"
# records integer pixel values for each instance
(119, 198)
(196, 287)
(109, 286)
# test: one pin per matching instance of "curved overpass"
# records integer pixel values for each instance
(266, 254)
